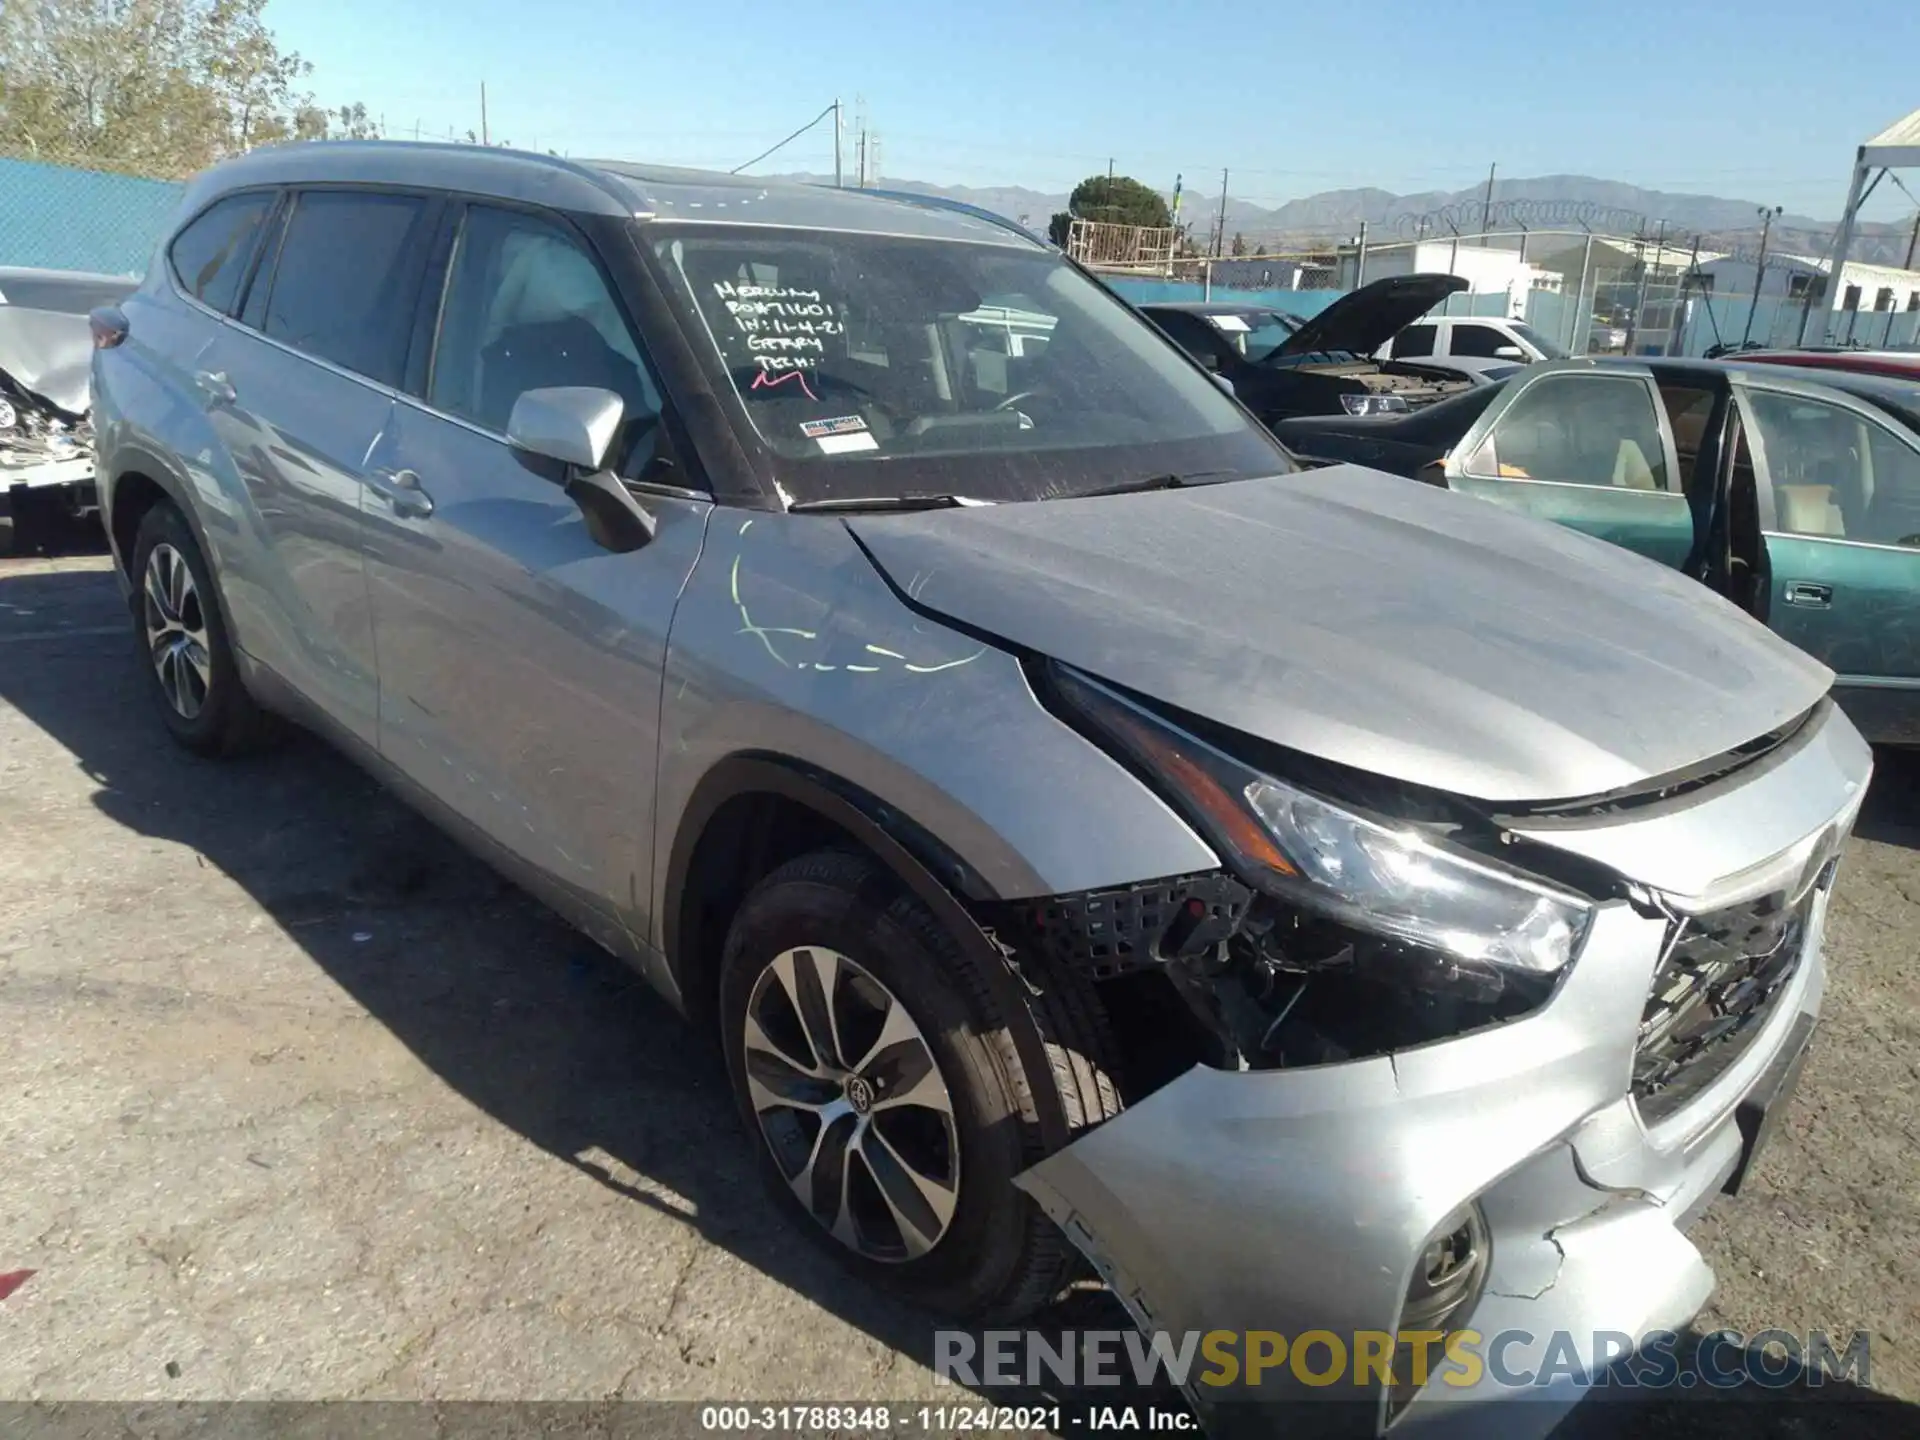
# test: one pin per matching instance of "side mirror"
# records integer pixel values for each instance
(572, 425)
(1224, 383)
(1509, 352)
(1434, 472)
(568, 430)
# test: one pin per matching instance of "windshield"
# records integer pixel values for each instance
(1266, 331)
(1539, 342)
(886, 366)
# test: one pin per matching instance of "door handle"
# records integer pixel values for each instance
(1811, 594)
(214, 385)
(401, 489)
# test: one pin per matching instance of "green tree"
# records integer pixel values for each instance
(151, 87)
(1121, 200)
(1239, 246)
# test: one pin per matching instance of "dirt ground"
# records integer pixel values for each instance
(299, 1101)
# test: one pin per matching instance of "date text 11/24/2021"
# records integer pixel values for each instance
(907, 1419)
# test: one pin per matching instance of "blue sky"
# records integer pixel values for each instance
(1762, 100)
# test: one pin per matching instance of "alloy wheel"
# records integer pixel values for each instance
(176, 624)
(852, 1104)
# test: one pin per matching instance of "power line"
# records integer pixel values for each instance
(795, 136)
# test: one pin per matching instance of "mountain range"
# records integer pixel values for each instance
(1542, 202)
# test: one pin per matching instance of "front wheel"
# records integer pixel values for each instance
(879, 1080)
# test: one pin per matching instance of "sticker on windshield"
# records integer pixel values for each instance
(839, 425)
(841, 444)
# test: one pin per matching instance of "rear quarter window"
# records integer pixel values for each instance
(211, 255)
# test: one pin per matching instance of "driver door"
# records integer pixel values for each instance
(520, 662)
(1840, 501)
(1589, 449)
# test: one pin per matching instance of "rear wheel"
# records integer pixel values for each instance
(190, 665)
(880, 1083)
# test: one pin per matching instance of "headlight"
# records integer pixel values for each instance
(1374, 404)
(1389, 880)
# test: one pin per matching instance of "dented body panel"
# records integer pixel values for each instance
(1367, 621)
(46, 444)
(1293, 1200)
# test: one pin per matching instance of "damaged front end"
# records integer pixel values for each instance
(46, 349)
(1404, 1068)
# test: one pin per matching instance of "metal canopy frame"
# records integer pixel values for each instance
(1895, 148)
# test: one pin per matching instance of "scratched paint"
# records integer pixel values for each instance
(765, 635)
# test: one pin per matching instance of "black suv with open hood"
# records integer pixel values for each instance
(1325, 367)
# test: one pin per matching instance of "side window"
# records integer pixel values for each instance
(1893, 509)
(1414, 340)
(210, 257)
(1581, 429)
(343, 285)
(1834, 473)
(1481, 340)
(526, 307)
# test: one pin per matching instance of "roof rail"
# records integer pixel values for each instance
(947, 202)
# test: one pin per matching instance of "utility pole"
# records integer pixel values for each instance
(1677, 336)
(860, 161)
(1760, 268)
(483, 112)
(836, 142)
(416, 131)
(1486, 206)
(1220, 226)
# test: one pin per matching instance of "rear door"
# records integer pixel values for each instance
(1585, 448)
(1839, 485)
(299, 390)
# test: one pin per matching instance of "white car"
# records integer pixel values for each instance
(46, 349)
(1485, 337)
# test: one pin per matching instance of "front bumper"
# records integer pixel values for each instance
(1300, 1200)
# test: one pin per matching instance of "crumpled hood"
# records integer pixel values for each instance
(1371, 621)
(46, 347)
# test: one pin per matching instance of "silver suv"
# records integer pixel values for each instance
(1321, 900)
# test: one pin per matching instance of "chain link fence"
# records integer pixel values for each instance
(68, 217)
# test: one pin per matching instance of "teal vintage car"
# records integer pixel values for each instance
(1794, 493)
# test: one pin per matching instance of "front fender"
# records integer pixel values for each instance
(786, 642)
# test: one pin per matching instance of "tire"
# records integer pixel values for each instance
(186, 654)
(980, 1247)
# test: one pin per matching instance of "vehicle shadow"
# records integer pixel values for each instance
(1891, 814)
(513, 1009)
(506, 1003)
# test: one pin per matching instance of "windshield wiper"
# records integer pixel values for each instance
(887, 502)
(1152, 482)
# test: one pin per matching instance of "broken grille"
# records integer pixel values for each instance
(1722, 974)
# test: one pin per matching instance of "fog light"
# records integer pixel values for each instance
(1445, 1283)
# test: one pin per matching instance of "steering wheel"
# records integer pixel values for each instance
(1015, 398)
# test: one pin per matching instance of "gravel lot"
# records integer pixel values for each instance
(298, 1101)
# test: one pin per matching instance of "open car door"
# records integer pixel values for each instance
(1587, 447)
(1839, 499)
